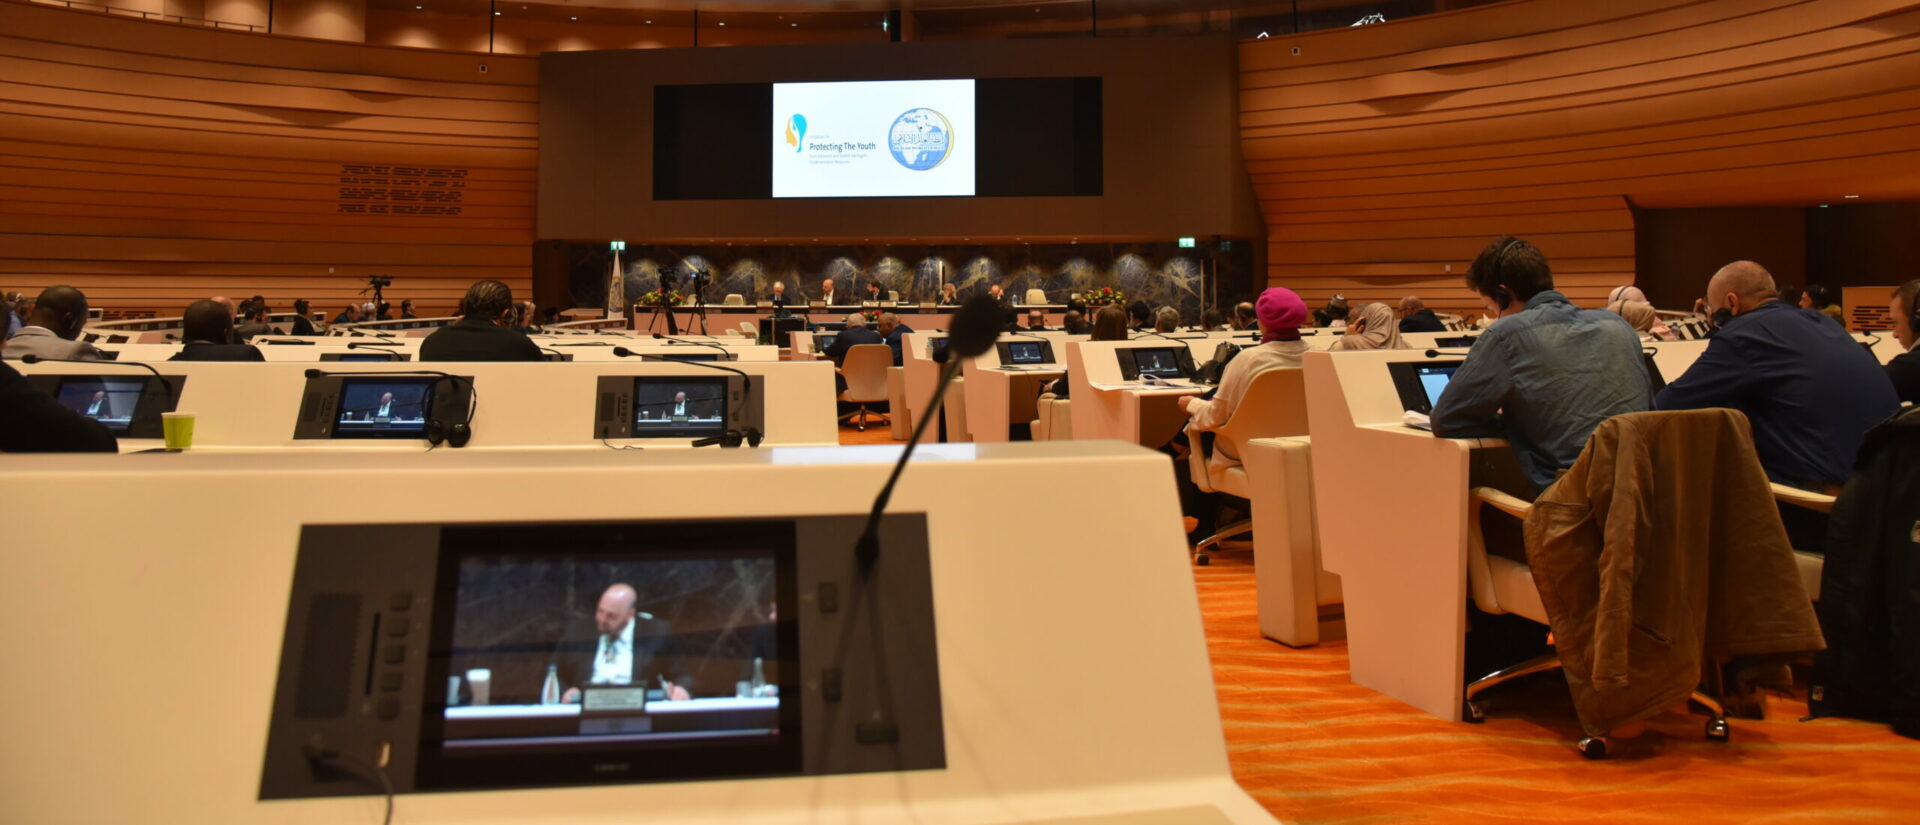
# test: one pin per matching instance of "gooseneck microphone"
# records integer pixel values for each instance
(976, 326)
(751, 434)
(383, 346)
(1436, 353)
(692, 343)
(37, 359)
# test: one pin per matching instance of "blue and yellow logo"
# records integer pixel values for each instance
(796, 130)
(920, 139)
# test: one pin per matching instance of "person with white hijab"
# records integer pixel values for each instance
(1373, 327)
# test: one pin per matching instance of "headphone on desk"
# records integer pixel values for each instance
(453, 433)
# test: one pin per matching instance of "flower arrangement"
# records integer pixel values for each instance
(663, 298)
(872, 315)
(1103, 296)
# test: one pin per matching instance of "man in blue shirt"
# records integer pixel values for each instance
(1546, 373)
(894, 333)
(1810, 391)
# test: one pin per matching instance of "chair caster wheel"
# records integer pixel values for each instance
(1202, 559)
(1717, 730)
(1594, 747)
(1471, 713)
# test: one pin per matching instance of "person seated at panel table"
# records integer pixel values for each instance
(209, 334)
(97, 407)
(623, 647)
(390, 410)
(302, 323)
(1644, 319)
(482, 334)
(1036, 321)
(350, 315)
(256, 322)
(1109, 324)
(1166, 320)
(1244, 318)
(58, 316)
(1817, 297)
(1810, 391)
(32, 421)
(827, 295)
(854, 335)
(1545, 373)
(874, 293)
(1140, 316)
(949, 295)
(1416, 317)
(1373, 327)
(894, 334)
(779, 297)
(1904, 369)
(1074, 322)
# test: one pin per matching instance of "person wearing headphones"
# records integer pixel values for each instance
(1545, 373)
(483, 332)
(51, 329)
(1904, 369)
(209, 333)
(1809, 390)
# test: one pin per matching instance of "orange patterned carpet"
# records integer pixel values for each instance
(1316, 749)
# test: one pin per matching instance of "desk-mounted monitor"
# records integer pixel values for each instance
(823, 341)
(936, 346)
(128, 402)
(691, 354)
(1169, 362)
(1420, 383)
(366, 355)
(1455, 341)
(476, 656)
(379, 406)
(680, 407)
(1022, 352)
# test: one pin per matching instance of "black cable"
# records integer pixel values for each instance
(324, 755)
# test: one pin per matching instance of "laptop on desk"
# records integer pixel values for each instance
(1420, 384)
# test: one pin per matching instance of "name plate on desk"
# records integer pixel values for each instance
(605, 699)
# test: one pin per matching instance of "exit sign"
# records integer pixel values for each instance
(618, 246)
(1186, 243)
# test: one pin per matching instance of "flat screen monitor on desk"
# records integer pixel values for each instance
(936, 346)
(823, 342)
(679, 407)
(1159, 362)
(689, 355)
(1420, 383)
(489, 664)
(1022, 353)
(394, 406)
(1454, 341)
(129, 405)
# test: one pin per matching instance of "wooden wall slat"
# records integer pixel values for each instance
(153, 164)
(1385, 157)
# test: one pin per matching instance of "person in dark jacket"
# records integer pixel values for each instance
(1904, 369)
(482, 333)
(1415, 317)
(854, 335)
(1870, 586)
(208, 330)
(1810, 390)
(303, 322)
(31, 421)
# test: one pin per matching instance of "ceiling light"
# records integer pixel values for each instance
(649, 22)
(417, 8)
(723, 22)
(795, 25)
(1850, 197)
(573, 18)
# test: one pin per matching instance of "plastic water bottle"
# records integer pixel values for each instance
(759, 677)
(550, 689)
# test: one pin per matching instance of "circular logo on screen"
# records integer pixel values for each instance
(920, 139)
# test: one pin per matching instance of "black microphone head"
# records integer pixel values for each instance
(315, 373)
(940, 355)
(657, 336)
(623, 352)
(975, 327)
(1433, 353)
(29, 359)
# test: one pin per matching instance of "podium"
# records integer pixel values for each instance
(777, 329)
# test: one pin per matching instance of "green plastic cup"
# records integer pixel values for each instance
(177, 428)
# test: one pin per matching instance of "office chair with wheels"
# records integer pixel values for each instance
(1275, 405)
(1811, 564)
(865, 370)
(1646, 616)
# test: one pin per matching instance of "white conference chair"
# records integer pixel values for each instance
(899, 426)
(865, 369)
(1811, 564)
(734, 299)
(748, 328)
(1274, 405)
(1036, 297)
(1053, 418)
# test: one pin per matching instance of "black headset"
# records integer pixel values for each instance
(456, 433)
(1501, 296)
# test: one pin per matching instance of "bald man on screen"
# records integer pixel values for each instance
(626, 647)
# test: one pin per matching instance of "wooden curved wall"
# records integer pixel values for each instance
(151, 164)
(1386, 154)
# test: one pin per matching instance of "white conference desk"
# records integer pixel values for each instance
(1105, 406)
(922, 375)
(999, 397)
(522, 405)
(180, 640)
(310, 349)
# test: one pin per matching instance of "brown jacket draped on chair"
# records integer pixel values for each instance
(1662, 544)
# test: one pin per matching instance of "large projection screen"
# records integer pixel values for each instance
(890, 138)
